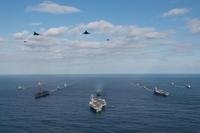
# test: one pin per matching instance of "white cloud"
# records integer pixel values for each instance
(21, 35)
(176, 12)
(41, 42)
(105, 27)
(48, 37)
(54, 8)
(1, 40)
(45, 40)
(56, 31)
(194, 25)
(102, 26)
(122, 37)
(97, 27)
(145, 33)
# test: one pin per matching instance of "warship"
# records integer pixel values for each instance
(160, 92)
(98, 92)
(20, 87)
(65, 85)
(97, 104)
(172, 83)
(188, 86)
(41, 93)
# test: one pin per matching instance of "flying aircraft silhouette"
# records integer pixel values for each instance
(36, 34)
(86, 32)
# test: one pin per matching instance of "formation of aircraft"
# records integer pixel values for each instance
(85, 33)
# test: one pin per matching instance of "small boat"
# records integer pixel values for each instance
(145, 87)
(58, 87)
(97, 104)
(160, 92)
(188, 86)
(172, 83)
(41, 93)
(20, 87)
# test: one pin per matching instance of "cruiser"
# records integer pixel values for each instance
(98, 92)
(41, 93)
(97, 104)
(160, 92)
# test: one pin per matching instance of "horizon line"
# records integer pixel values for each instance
(104, 74)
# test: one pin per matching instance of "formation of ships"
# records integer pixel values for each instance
(160, 92)
(43, 93)
(96, 103)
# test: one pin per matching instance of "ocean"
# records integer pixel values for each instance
(130, 108)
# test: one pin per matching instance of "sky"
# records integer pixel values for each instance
(127, 36)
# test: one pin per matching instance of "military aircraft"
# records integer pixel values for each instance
(107, 39)
(36, 34)
(86, 32)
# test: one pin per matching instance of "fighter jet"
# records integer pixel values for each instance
(25, 41)
(86, 32)
(107, 39)
(36, 34)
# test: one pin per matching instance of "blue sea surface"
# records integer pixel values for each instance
(130, 108)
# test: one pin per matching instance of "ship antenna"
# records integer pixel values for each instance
(39, 85)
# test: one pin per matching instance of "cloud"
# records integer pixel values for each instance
(100, 26)
(1, 40)
(53, 8)
(41, 42)
(69, 42)
(45, 40)
(132, 44)
(56, 31)
(105, 27)
(145, 33)
(47, 37)
(176, 12)
(194, 25)
(21, 35)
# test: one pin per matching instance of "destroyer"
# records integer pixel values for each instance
(65, 85)
(188, 86)
(41, 93)
(97, 104)
(98, 92)
(160, 92)
(20, 87)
